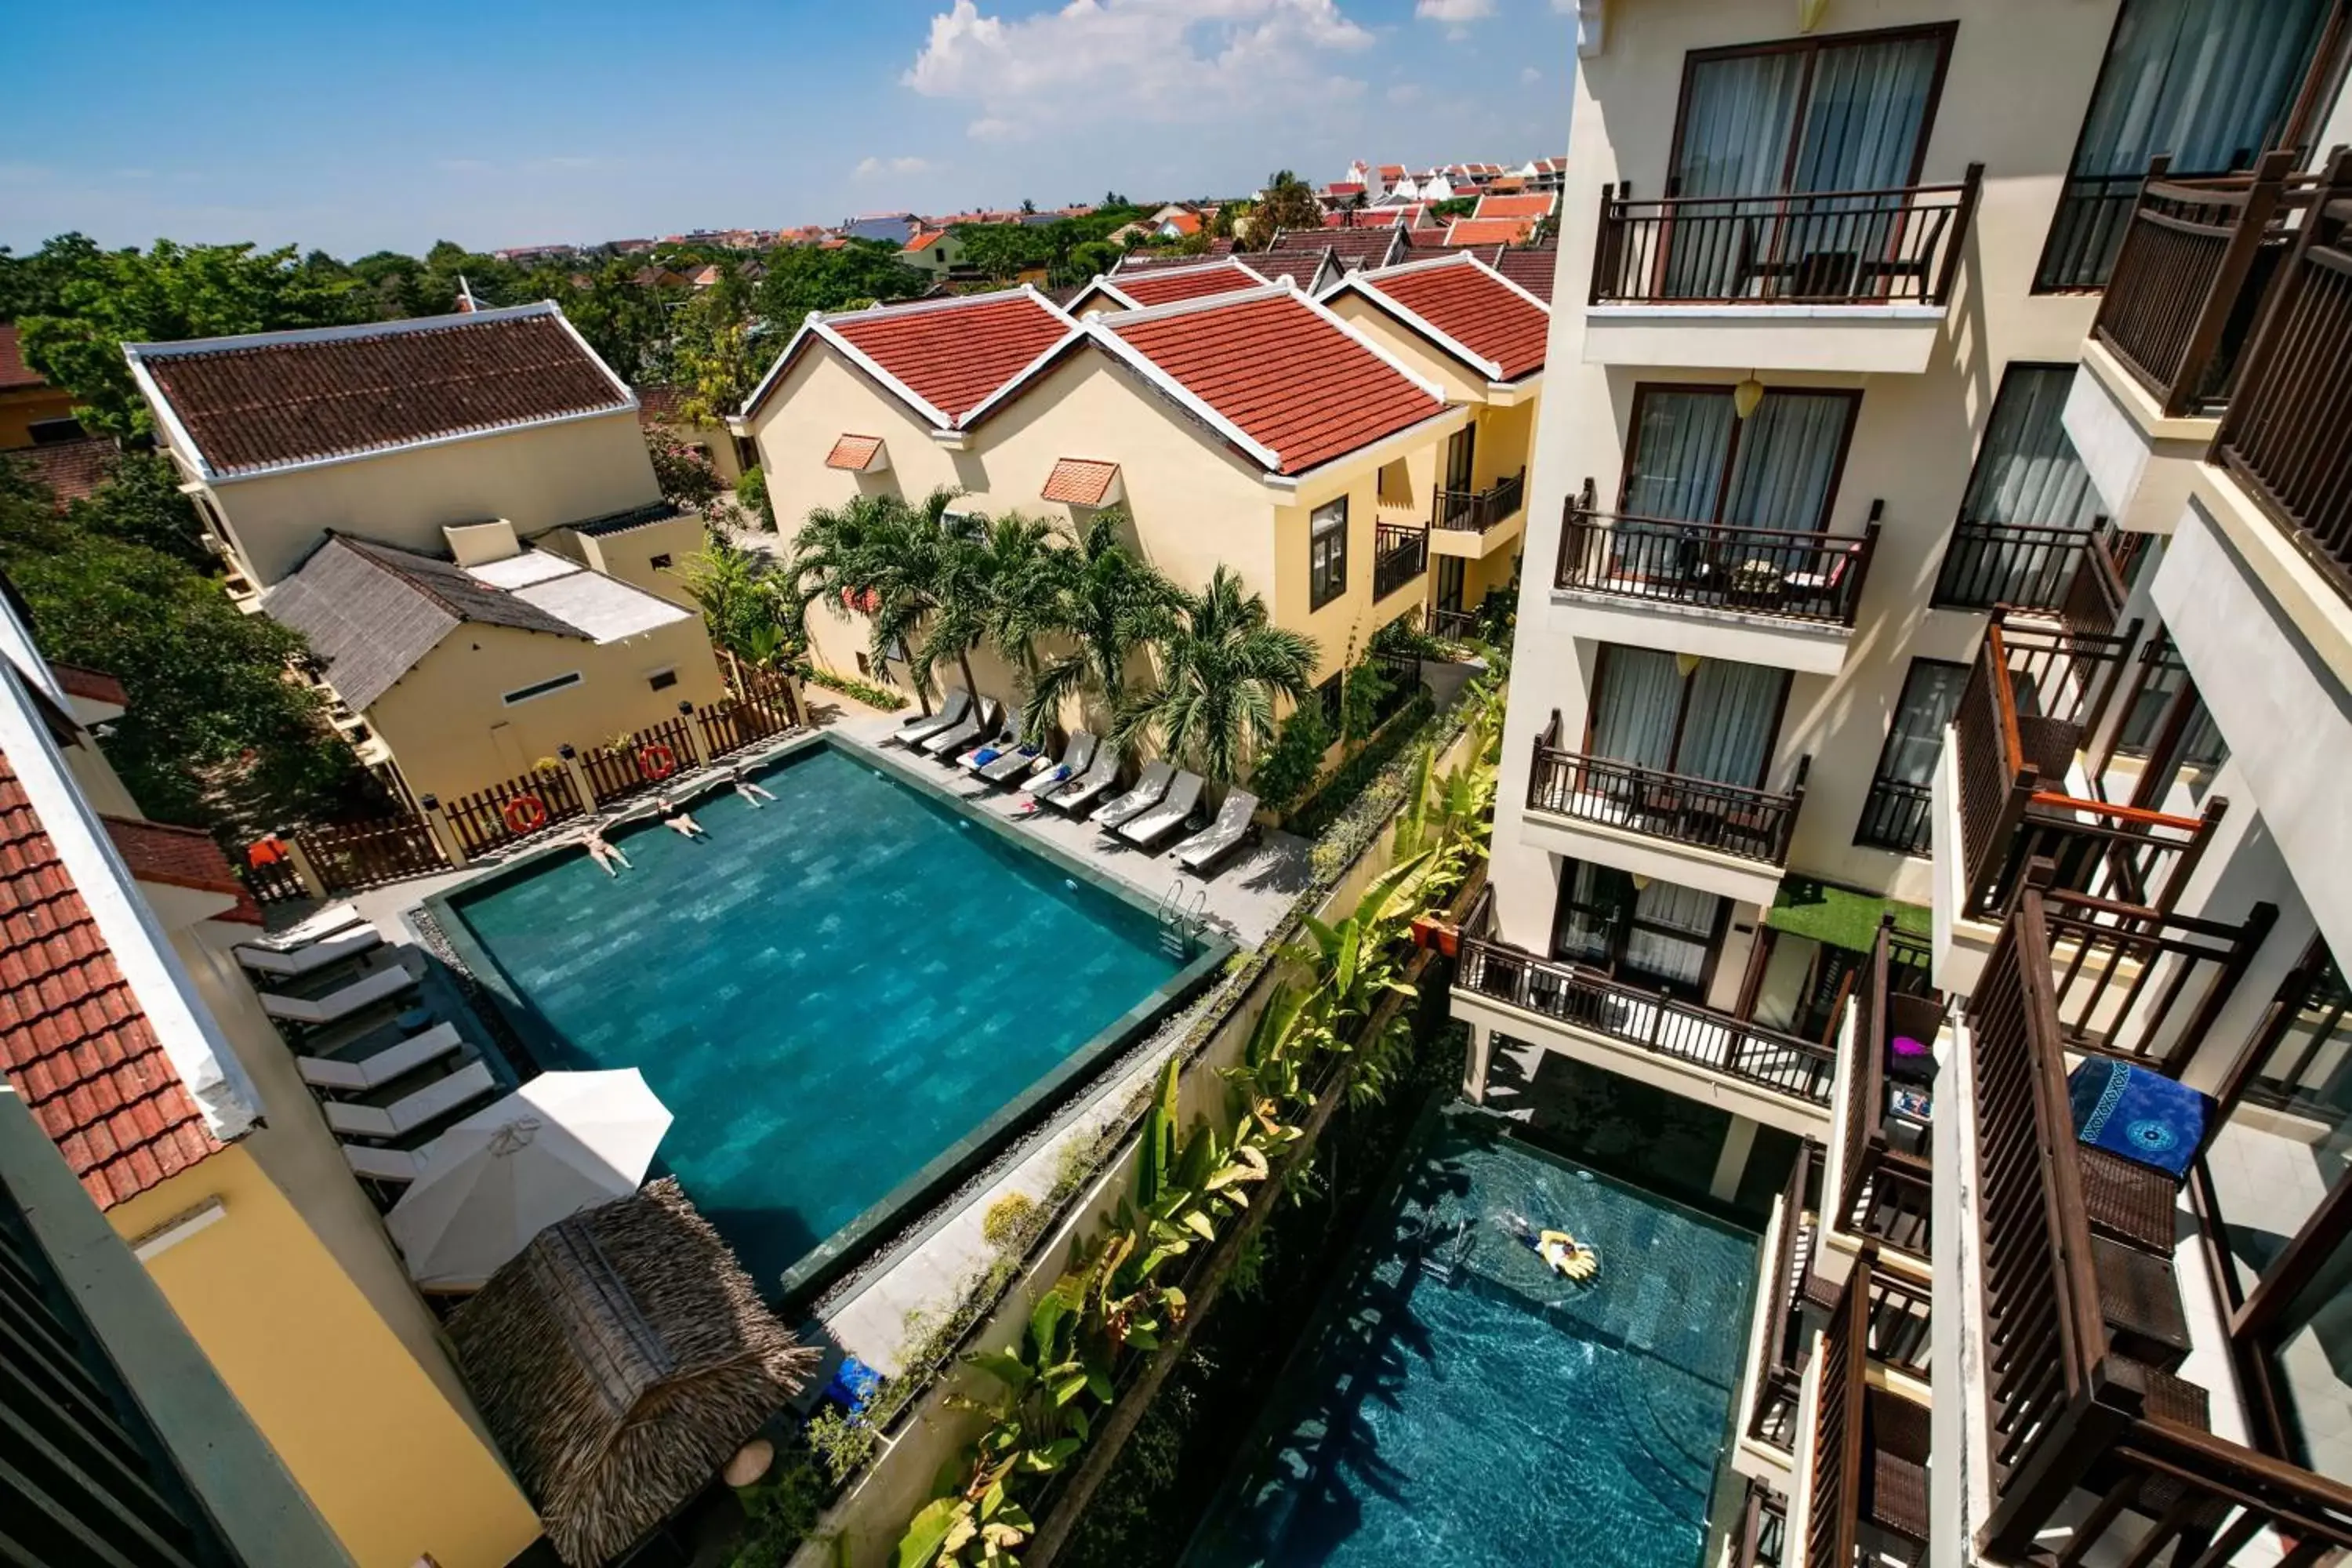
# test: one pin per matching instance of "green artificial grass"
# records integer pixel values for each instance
(1841, 917)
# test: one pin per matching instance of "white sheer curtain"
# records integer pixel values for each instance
(2209, 81)
(1679, 449)
(1634, 712)
(1787, 462)
(1931, 695)
(1675, 956)
(1864, 115)
(1737, 123)
(2027, 471)
(1728, 734)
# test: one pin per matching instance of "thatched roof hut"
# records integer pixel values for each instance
(619, 1360)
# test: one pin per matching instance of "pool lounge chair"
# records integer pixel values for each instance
(310, 928)
(1199, 853)
(1151, 826)
(340, 999)
(286, 964)
(1006, 738)
(1149, 785)
(922, 725)
(435, 1100)
(1043, 775)
(375, 1071)
(947, 742)
(385, 1164)
(1089, 786)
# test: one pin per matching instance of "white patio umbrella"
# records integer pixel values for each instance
(561, 1143)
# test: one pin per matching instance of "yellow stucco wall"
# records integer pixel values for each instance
(387, 1459)
(452, 734)
(630, 555)
(19, 411)
(535, 479)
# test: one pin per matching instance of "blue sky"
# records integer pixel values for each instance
(527, 123)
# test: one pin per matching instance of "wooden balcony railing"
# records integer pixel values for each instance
(1811, 247)
(1868, 1501)
(2287, 435)
(1400, 554)
(2093, 1457)
(1794, 575)
(1475, 511)
(1749, 823)
(1650, 1021)
(2027, 705)
(1898, 816)
(2188, 279)
(1763, 1528)
(1774, 1420)
(2070, 573)
(1883, 1191)
(2140, 983)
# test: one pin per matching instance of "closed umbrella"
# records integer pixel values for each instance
(561, 1143)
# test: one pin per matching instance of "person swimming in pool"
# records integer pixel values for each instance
(679, 818)
(751, 792)
(1565, 1256)
(601, 850)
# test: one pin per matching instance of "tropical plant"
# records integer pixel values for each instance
(685, 474)
(1290, 767)
(1109, 604)
(742, 599)
(1222, 664)
(1287, 202)
(880, 555)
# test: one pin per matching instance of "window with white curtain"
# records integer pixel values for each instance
(1651, 933)
(2027, 475)
(1693, 461)
(2211, 83)
(1712, 718)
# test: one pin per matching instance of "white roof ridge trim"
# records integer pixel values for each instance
(926, 307)
(1276, 289)
(190, 348)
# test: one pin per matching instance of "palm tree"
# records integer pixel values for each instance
(1222, 664)
(882, 555)
(738, 595)
(1108, 603)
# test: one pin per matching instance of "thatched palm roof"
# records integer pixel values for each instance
(620, 1359)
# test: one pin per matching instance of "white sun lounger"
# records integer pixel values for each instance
(1006, 738)
(310, 928)
(1221, 838)
(385, 1164)
(1149, 785)
(950, 711)
(1149, 828)
(437, 1099)
(947, 741)
(1088, 787)
(286, 964)
(1076, 757)
(371, 985)
(373, 1072)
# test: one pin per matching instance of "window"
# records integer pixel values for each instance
(2027, 475)
(1462, 459)
(1895, 814)
(1331, 695)
(2167, 723)
(1327, 553)
(540, 688)
(49, 432)
(1710, 719)
(1660, 936)
(659, 562)
(1693, 460)
(1452, 570)
(2211, 83)
(662, 679)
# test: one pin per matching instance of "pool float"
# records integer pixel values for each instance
(1568, 1256)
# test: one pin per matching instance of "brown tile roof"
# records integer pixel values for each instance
(853, 452)
(1353, 246)
(93, 684)
(1486, 231)
(1303, 268)
(13, 371)
(252, 403)
(1531, 268)
(1175, 283)
(180, 857)
(954, 355)
(657, 403)
(75, 1041)
(1079, 481)
(1472, 307)
(1288, 375)
(72, 470)
(1535, 206)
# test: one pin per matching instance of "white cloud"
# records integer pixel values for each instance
(1161, 61)
(1530, 75)
(1405, 92)
(869, 167)
(1452, 10)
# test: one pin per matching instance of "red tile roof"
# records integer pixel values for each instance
(1486, 231)
(75, 1044)
(1166, 287)
(72, 469)
(853, 452)
(13, 371)
(1182, 223)
(925, 241)
(1079, 481)
(1354, 247)
(1286, 374)
(1474, 308)
(94, 684)
(1534, 206)
(953, 356)
(271, 399)
(180, 857)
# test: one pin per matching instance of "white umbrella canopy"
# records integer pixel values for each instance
(561, 1143)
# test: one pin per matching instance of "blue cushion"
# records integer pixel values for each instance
(2138, 1114)
(854, 1384)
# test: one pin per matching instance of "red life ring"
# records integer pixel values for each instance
(524, 814)
(657, 761)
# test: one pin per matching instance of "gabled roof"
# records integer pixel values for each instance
(1466, 308)
(270, 401)
(1310, 270)
(943, 357)
(1531, 268)
(1531, 206)
(1167, 285)
(14, 373)
(926, 241)
(180, 857)
(1486, 231)
(72, 469)
(1277, 374)
(1353, 248)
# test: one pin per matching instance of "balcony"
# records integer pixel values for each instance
(2095, 1448)
(1884, 1183)
(1787, 1081)
(1865, 1497)
(2070, 575)
(1473, 522)
(1760, 595)
(1400, 555)
(1830, 281)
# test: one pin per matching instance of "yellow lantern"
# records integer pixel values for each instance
(1747, 395)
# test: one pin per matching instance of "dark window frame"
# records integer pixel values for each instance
(538, 689)
(1878, 773)
(1327, 576)
(1623, 921)
(1682, 716)
(1643, 391)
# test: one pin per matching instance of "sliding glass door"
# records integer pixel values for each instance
(1652, 933)
(2211, 83)
(1692, 461)
(2028, 499)
(1708, 719)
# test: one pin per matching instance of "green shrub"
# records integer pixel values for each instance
(1347, 781)
(781, 1510)
(842, 1443)
(751, 490)
(849, 686)
(1006, 1225)
(1292, 763)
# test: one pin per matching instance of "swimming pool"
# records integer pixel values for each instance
(846, 997)
(1457, 1403)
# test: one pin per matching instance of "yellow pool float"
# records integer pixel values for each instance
(1567, 1255)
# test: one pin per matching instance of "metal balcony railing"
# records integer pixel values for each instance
(1475, 511)
(1730, 819)
(1399, 554)
(1794, 575)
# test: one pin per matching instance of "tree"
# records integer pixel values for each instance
(742, 595)
(685, 478)
(879, 556)
(804, 278)
(1109, 604)
(1287, 202)
(1002, 250)
(1221, 664)
(711, 356)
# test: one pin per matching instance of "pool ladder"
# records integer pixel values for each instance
(1443, 1261)
(1182, 919)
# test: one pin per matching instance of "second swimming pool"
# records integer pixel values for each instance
(840, 995)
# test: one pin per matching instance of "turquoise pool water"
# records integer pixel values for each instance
(1476, 1408)
(831, 992)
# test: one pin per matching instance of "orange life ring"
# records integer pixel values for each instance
(657, 761)
(524, 814)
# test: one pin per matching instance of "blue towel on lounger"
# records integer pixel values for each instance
(2142, 1116)
(986, 756)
